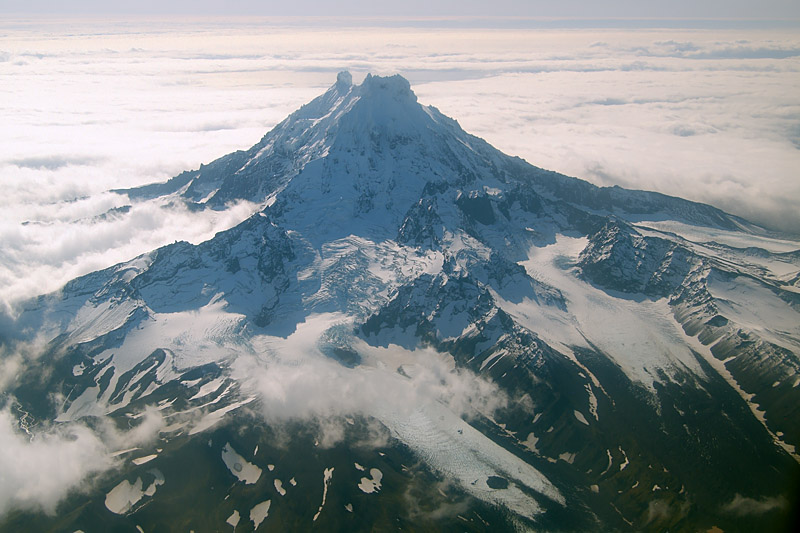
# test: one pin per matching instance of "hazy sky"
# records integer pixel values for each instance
(421, 8)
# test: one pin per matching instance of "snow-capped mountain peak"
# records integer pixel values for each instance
(528, 341)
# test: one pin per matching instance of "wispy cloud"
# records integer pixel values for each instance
(743, 505)
(299, 382)
(41, 467)
(68, 239)
(297, 379)
(53, 162)
(39, 472)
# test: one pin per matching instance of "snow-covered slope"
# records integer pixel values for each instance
(529, 341)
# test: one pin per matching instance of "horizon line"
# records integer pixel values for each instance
(468, 21)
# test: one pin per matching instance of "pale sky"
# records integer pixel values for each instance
(714, 9)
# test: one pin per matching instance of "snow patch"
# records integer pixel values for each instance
(208, 388)
(580, 417)
(567, 457)
(239, 466)
(610, 462)
(625, 463)
(126, 495)
(259, 513)
(592, 401)
(233, 519)
(214, 417)
(530, 443)
(327, 475)
(142, 460)
(371, 484)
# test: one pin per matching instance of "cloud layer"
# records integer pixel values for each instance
(296, 380)
(40, 467)
(38, 473)
(708, 115)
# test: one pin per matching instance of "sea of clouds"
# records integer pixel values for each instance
(88, 106)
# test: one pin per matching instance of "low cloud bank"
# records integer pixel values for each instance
(40, 466)
(322, 387)
(297, 380)
(66, 240)
(39, 471)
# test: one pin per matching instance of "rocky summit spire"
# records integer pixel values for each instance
(395, 86)
(344, 79)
